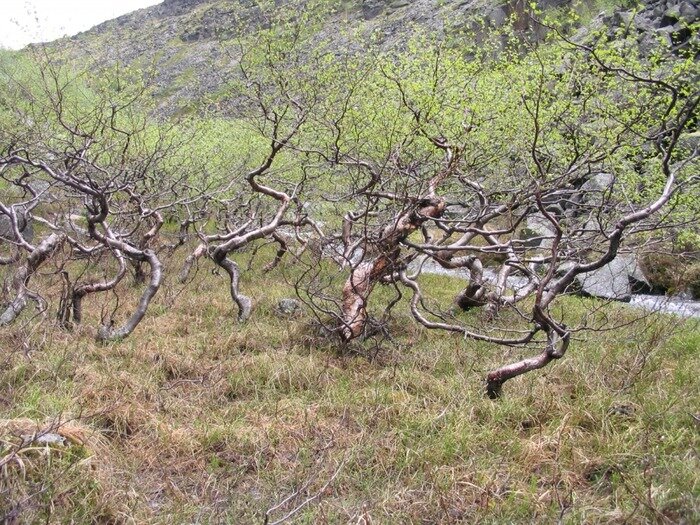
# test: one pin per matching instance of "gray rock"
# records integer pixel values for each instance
(690, 140)
(25, 228)
(598, 182)
(623, 18)
(672, 14)
(622, 409)
(539, 230)
(497, 16)
(593, 193)
(644, 23)
(371, 9)
(614, 280)
(5, 229)
(48, 438)
(689, 12)
(288, 307)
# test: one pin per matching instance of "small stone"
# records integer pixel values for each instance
(48, 438)
(622, 409)
(288, 307)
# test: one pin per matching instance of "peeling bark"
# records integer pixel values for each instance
(362, 279)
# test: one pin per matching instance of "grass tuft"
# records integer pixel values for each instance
(198, 418)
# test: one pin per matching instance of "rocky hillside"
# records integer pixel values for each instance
(181, 39)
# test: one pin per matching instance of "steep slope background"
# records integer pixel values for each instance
(181, 40)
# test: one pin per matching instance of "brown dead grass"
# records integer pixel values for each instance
(196, 418)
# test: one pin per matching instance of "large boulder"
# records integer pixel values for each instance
(538, 231)
(25, 228)
(617, 280)
(597, 185)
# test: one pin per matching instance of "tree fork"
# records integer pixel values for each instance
(362, 279)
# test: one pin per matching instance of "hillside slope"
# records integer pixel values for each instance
(180, 39)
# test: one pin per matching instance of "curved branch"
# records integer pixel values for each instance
(107, 333)
(555, 349)
(37, 257)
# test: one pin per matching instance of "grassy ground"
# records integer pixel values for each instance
(198, 419)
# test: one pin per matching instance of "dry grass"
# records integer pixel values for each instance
(198, 419)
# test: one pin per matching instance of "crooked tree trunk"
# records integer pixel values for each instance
(555, 348)
(181, 237)
(139, 274)
(197, 254)
(356, 293)
(243, 302)
(363, 278)
(81, 291)
(475, 294)
(107, 333)
(38, 256)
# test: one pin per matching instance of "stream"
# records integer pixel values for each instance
(678, 305)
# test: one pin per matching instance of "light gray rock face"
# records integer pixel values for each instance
(25, 228)
(538, 231)
(5, 229)
(614, 280)
(667, 20)
(597, 184)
